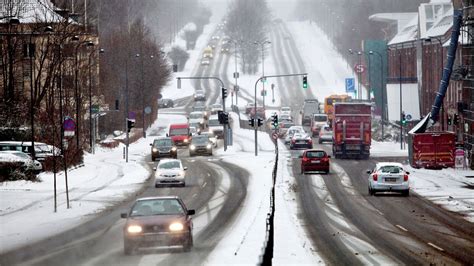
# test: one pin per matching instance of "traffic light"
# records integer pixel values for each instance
(225, 118)
(305, 82)
(450, 121)
(275, 121)
(259, 122)
(456, 119)
(220, 117)
(130, 124)
(404, 119)
(252, 122)
(224, 93)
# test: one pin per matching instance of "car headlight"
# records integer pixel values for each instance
(185, 140)
(134, 229)
(192, 147)
(173, 149)
(208, 146)
(211, 130)
(176, 227)
(155, 150)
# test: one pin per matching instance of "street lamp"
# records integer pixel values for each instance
(262, 44)
(236, 73)
(382, 89)
(401, 93)
(90, 44)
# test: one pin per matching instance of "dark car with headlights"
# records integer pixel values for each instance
(158, 222)
(200, 145)
(165, 103)
(163, 147)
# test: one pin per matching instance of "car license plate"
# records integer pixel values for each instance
(300, 142)
(154, 238)
(316, 161)
(390, 179)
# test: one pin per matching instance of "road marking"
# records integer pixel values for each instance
(209, 175)
(195, 195)
(401, 227)
(381, 213)
(435, 246)
(203, 185)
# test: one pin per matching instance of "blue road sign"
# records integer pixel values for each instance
(350, 87)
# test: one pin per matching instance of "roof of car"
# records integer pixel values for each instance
(380, 164)
(159, 197)
(161, 137)
(179, 125)
(169, 160)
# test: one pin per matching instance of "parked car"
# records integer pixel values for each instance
(163, 147)
(314, 160)
(170, 172)
(388, 177)
(20, 159)
(42, 150)
(157, 221)
(291, 131)
(301, 140)
(200, 144)
(199, 95)
(325, 134)
(165, 103)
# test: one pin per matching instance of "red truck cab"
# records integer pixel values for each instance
(180, 134)
(352, 125)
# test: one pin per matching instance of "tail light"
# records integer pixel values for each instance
(293, 141)
(405, 178)
(325, 159)
(375, 177)
(305, 159)
(310, 141)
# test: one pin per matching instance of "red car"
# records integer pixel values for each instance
(314, 160)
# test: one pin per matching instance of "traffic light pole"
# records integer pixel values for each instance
(255, 99)
(223, 100)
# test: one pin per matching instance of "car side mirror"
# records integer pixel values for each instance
(185, 168)
(154, 168)
(369, 172)
(191, 212)
(408, 173)
(329, 156)
(123, 215)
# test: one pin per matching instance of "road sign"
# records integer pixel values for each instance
(132, 115)
(459, 158)
(275, 135)
(359, 68)
(95, 108)
(69, 123)
(236, 88)
(148, 110)
(236, 75)
(350, 87)
(408, 117)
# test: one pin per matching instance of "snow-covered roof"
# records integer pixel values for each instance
(31, 11)
(408, 33)
(401, 19)
(436, 18)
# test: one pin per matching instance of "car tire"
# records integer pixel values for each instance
(188, 244)
(320, 141)
(326, 172)
(127, 248)
(406, 193)
(184, 184)
(156, 186)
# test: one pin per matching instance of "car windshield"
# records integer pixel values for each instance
(157, 207)
(320, 118)
(200, 140)
(315, 154)
(169, 165)
(179, 131)
(213, 122)
(162, 142)
(286, 125)
(285, 109)
(195, 115)
(391, 169)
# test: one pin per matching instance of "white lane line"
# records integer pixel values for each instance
(435, 246)
(203, 185)
(401, 227)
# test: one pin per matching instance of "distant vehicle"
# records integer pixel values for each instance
(205, 62)
(21, 160)
(285, 117)
(180, 134)
(208, 52)
(170, 172)
(225, 49)
(301, 140)
(194, 130)
(212, 137)
(314, 160)
(42, 150)
(325, 134)
(329, 104)
(291, 131)
(432, 149)
(200, 144)
(157, 221)
(197, 118)
(215, 37)
(388, 177)
(201, 107)
(318, 121)
(216, 107)
(285, 109)
(163, 147)
(199, 95)
(215, 127)
(165, 103)
(310, 107)
(283, 127)
(352, 133)
(249, 107)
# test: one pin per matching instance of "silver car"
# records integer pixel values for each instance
(291, 131)
(325, 134)
(388, 177)
(170, 172)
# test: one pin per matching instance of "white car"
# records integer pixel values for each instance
(388, 177)
(215, 127)
(170, 172)
(285, 110)
(325, 134)
(197, 118)
(291, 131)
(22, 158)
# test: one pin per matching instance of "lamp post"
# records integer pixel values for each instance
(382, 89)
(141, 89)
(90, 44)
(262, 44)
(236, 73)
(439, 40)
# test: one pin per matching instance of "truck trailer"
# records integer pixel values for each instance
(352, 130)
(432, 149)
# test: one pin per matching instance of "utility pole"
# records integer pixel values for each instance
(127, 140)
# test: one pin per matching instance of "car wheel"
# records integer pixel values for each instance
(127, 248)
(184, 184)
(188, 244)
(326, 172)
(406, 193)
(319, 141)
(156, 186)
